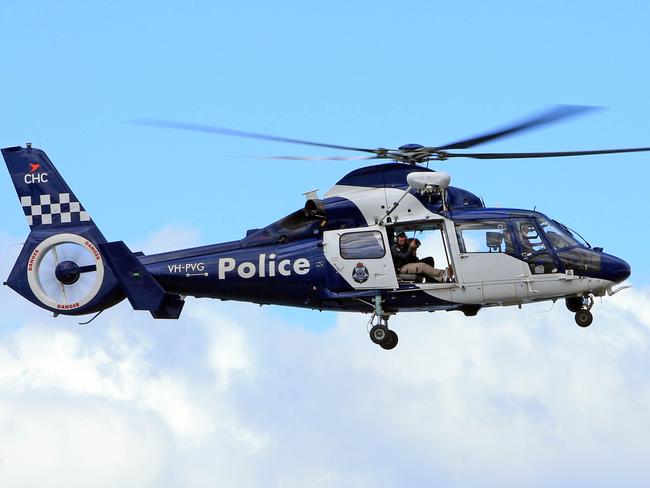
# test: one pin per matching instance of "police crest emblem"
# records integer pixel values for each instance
(360, 273)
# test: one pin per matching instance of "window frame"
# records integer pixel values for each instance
(381, 239)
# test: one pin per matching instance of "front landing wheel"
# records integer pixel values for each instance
(584, 318)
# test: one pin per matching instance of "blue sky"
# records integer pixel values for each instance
(358, 73)
(371, 74)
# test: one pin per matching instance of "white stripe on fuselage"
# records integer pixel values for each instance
(539, 288)
(375, 202)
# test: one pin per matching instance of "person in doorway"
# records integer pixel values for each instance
(401, 251)
(421, 267)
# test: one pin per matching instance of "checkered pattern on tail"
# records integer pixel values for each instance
(53, 209)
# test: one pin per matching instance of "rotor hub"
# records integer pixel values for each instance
(67, 272)
(410, 147)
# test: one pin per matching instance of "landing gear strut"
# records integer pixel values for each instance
(574, 304)
(583, 317)
(380, 333)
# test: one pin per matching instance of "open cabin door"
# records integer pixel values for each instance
(361, 257)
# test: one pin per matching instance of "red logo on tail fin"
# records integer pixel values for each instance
(34, 167)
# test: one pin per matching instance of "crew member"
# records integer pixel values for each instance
(420, 267)
(401, 251)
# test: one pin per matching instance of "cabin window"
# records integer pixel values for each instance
(485, 236)
(362, 245)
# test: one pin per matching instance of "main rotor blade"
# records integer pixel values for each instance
(541, 154)
(318, 158)
(169, 124)
(552, 114)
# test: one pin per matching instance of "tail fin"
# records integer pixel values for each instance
(45, 197)
(60, 267)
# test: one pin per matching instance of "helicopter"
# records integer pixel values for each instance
(335, 253)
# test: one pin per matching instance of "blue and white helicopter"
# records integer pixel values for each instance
(335, 253)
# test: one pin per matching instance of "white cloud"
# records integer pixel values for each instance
(60, 440)
(231, 396)
(227, 351)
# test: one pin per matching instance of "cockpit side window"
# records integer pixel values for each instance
(485, 236)
(557, 237)
(533, 248)
(572, 255)
(529, 238)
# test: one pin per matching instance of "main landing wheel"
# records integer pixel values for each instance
(379, 333)
(391, 340)
(584, 318)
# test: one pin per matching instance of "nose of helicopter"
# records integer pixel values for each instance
(615, 269)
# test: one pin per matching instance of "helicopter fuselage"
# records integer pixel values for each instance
(339, 253)
(300, 274)
(298, 261)
(386, 238)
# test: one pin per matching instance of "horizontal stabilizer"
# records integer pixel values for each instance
(170, 309)
(140, 287)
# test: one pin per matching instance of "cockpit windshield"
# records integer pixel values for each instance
(557, 235)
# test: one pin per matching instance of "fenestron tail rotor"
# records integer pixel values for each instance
(65, 271)
(416, 153)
